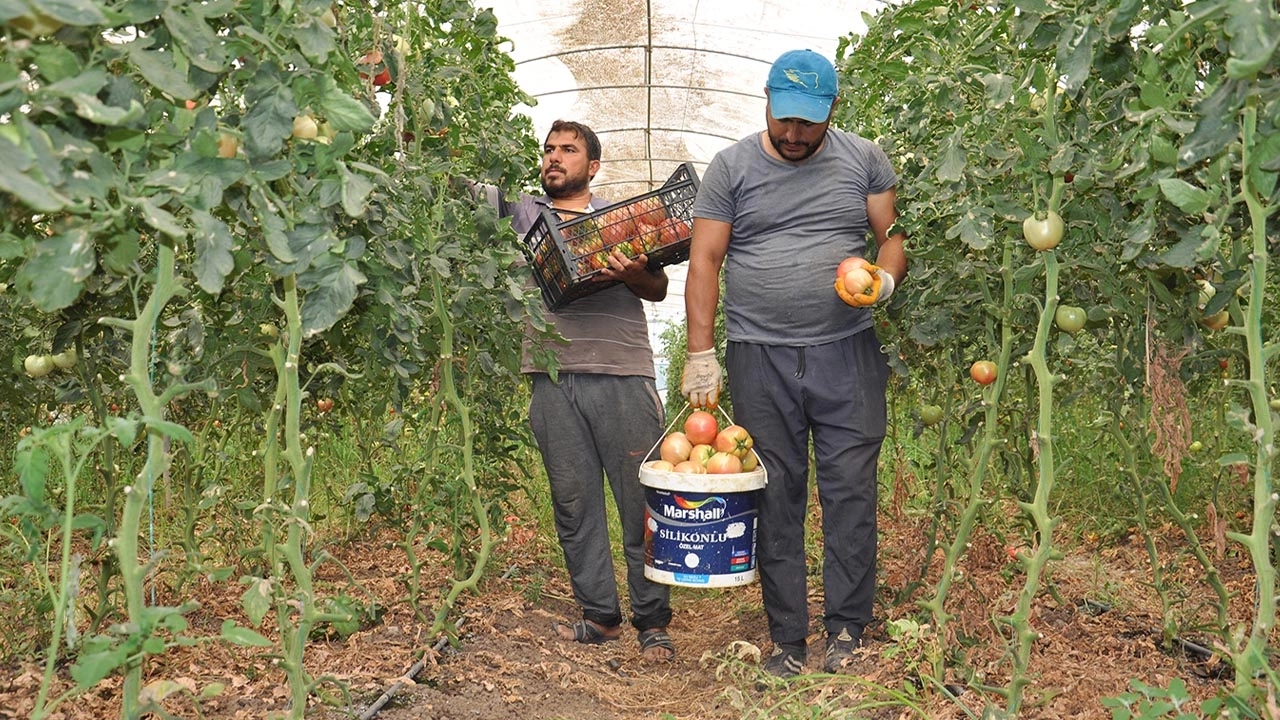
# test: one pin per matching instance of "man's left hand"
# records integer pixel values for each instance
(624, 269)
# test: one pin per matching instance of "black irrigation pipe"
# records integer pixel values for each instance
(414, 669)
(409, 674)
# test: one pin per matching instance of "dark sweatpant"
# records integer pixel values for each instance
(836, 393)
(589, 427)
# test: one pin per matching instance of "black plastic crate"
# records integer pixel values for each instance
(567, 254)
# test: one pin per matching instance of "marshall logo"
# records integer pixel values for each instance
(712, 508)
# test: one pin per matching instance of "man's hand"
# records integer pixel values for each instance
(882, 285)
(701, 381)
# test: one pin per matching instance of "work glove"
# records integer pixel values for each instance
(882, 285)
(701, 380)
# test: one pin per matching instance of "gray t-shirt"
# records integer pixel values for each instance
(792, 225)
(607, 331)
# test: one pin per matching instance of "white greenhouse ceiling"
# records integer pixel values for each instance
(660, 81)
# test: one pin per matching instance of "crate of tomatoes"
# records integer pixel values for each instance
(567, 253)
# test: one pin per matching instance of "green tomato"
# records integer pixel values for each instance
(1195, 446)
(37, 366)
(66, 359)
(930, 415)
(1043, 233)
(1070, 318)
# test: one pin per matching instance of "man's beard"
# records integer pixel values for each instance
(565, 186)
(809, 148)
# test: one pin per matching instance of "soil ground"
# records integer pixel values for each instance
(1099, 623)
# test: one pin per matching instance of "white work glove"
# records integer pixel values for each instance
(887, 284)
(701, 380)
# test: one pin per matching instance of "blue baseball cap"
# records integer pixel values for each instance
(802, 84)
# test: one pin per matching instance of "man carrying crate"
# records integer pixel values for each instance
(601, 415)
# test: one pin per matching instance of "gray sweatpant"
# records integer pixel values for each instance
(588, 428)
(836, 394)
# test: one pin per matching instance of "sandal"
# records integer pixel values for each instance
(657, 638)
(583, 632)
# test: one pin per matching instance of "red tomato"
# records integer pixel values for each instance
(723, 462)
(856, 281)
(701, 427)
(691, 467)
(848, 264)
(675, 448)
(983, 372)
(734, 440)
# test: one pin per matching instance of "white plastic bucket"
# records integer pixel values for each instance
(700, 530)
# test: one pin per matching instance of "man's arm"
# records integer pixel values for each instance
(891, 256)
(702, 288)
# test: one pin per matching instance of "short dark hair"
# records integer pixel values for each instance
(587, 134)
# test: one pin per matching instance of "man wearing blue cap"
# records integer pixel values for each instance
(780, 210)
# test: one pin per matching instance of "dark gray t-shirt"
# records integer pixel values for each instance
(792, 225)
(607, 331)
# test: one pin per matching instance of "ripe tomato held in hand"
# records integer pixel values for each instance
(983, 372)
(856, 281)
(701, 427)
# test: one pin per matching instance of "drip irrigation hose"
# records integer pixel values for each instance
(416, 668)
(409, 674)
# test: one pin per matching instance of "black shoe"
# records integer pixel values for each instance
(787, 661)
(840, 648)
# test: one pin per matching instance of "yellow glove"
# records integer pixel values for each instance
(879, 290)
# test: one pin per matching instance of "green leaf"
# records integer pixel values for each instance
(1075, 52)
(1254, 30)
(1216, 127)
(90, 668)
(1187, 197)
(355, 191)
(1183, 254)
(1136, 237)
(161, 219)
(343, 112)
(159, 69)
(213, 260)
(95, 111)
(196, 39)
(332, 290)
(999, 89)
(315, 40)
(237, 635)
(951, 165)
(123, 429)
(268, 122)
(54, 275)
(82, 13)
(56, 62)
(33, 472)
(33, 193)
(170, 429)
(257, 599)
